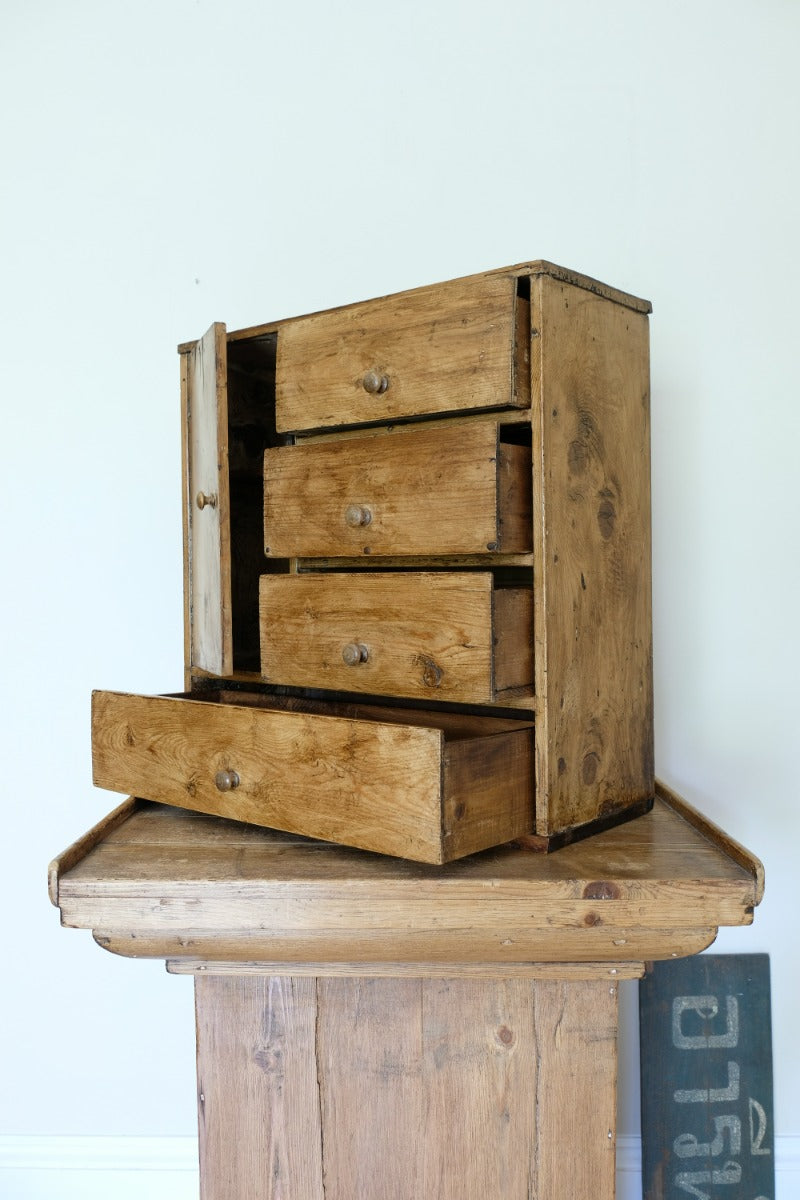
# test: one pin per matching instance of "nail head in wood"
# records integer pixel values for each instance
(375, 383)
(357, 515)
(226, 781)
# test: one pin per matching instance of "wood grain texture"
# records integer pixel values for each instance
(80, 848)
(425, 635)
(444, 348)
(186, 885)
(426, 493)
(208, 551)
(397, 787)
(593, 651)
(348, 1089)
(258, 1106)
(576, 1089)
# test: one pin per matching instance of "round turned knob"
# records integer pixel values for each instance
(357, 514)
(226, 781)
(375, 383)
(204, 499)
(355, 653)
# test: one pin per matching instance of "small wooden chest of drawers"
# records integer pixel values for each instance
(417, 573)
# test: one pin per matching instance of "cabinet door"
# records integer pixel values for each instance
(208, 582)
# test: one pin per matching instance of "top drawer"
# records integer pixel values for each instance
(454, 347)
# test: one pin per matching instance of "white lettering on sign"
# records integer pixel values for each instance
(731, 1172)
(757, 1134)
(686, 1145)
(706, 1008)
(689, 1013)
(711, 1095)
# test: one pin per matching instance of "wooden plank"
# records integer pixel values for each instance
(593, 649)
(258, 1105)
(487, 792)
(418, 491)
(75, 853)
(362, 910)
(576, 1089)
(441, 348)
(734, 850)
(185, 367)
(522, 350)
(706, 1055)
(556, 971)
(360, 951)
(526, 1069)
(425, 635)
(207, 497)
(513, 632)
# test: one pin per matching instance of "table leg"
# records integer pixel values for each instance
(406, 1089)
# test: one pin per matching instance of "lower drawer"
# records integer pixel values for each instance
(425, 786)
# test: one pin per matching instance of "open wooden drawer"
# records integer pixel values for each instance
(426, 786)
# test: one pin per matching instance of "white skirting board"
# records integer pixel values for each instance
(165, 1168)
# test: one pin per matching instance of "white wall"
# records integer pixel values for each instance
(169, 164)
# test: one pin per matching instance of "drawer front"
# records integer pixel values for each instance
(425, 635)
(450, 348)
(418, 785)
(430, 491)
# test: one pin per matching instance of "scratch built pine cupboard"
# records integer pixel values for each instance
(417, 581)
(417, 573)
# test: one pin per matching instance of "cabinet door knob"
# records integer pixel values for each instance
(375, 383)
(226, 781)
(355, 653)
(206, 498)
(357, 514)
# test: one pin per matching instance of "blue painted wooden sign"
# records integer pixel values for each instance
(706, 1054)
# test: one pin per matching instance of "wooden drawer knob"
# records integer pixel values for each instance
(357, 514)
(226, 781)
(375, 383)
(204, 498)
(355, 653)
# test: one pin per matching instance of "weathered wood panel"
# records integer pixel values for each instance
(207, 503)
(449, 347)
(258, 1104)
(179, 883)
(426, 635)
(349, 1089)
(411, 491)
(593, 647)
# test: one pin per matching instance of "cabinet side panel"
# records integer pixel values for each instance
(593, 622)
